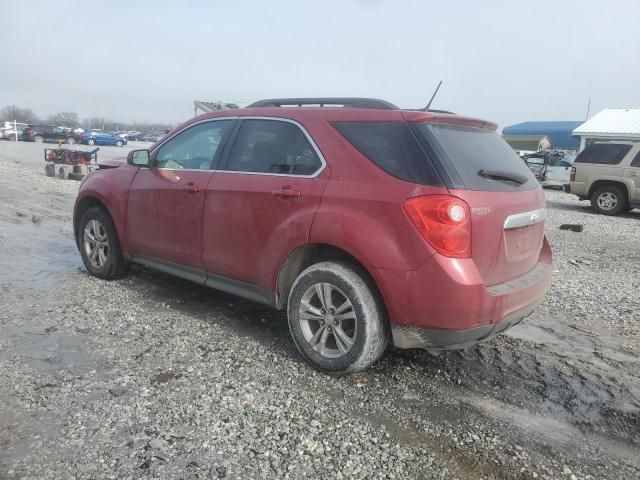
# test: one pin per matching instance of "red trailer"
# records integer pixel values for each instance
(65, 163)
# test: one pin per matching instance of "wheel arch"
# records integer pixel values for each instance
(84, 204)
(616, 183)
(306, 255)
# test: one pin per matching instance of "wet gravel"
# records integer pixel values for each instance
(154, 377)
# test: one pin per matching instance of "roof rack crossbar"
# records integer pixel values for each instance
(347, 102)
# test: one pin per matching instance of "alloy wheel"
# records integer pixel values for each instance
(607, 201)
(327, 320)
(96, 244)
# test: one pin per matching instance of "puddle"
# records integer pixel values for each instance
(51, 352)
(37, 256)
(552, 429)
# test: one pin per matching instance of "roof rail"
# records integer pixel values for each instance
(346, 102)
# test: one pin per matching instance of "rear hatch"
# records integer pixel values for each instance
(507, 204)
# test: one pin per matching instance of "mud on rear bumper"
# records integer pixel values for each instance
(445, 339)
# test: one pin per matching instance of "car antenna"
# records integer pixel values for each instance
(426, 109)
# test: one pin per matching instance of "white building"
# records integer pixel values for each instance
(610, 124)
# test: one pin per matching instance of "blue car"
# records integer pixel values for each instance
(102, 138)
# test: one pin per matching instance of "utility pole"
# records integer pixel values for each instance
(588, 108)
(15, 125)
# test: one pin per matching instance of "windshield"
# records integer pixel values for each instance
(476, 158)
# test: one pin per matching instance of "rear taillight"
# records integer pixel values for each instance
(444, 221)
(572, 178)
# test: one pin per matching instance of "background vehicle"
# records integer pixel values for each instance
(608, 174)
(152, 137)
(134, 135)
(552, 168)
(95, 137)
(338, 215)
(48, 133)
(9, 131)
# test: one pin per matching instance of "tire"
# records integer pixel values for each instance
(71, 141)
(91, 141)
(367, 334)
(119, 143)
(110, 264)
(49, 170)
(38, 139)
(63, 173)
(609, 200)
(13, 137)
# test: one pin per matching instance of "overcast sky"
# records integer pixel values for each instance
(147, 61)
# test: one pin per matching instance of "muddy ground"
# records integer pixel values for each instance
(154, 377)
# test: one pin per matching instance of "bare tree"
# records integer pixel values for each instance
(64, 119)
(23, 115)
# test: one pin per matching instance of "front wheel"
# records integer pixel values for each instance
(71, 141)
(609, 200)
(336, 318)
(99, 245)
(38, 139)
(119, 143)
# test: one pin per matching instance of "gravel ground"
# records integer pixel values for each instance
(154, 377)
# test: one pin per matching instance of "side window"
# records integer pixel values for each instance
(603, 153)
(306, 161)
(271, 146)
(636, 161)
(392, 147)
(193, 148)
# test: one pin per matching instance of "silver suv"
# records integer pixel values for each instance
(9, 131)
(608, 174)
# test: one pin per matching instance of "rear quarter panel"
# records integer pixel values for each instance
(362, 209)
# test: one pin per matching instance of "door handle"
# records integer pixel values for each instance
(192, 188)
(286, 192)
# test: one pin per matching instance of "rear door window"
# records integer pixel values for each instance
(603, 153)
(636, 161)
(272, 146)
(476, 158)
(393, 147)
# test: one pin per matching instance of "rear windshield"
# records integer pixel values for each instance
(603, 153)
(476, 159)
(393, 147)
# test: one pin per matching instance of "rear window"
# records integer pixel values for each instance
(603, 153)
(393, 147)
(477, 159)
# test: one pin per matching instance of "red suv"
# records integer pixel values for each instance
(363, 220)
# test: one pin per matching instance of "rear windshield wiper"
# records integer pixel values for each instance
(503, 175)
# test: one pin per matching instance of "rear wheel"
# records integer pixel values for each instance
(609, 200)
(336, 319)
(91, 141)
(71, 141)
(63, 173)
(49, 170)
(99, 245)
(38, 139)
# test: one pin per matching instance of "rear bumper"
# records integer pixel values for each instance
(443, 339)
(445, 304)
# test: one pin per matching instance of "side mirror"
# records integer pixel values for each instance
(139, 158)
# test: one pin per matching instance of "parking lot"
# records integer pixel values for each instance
(152, 376)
